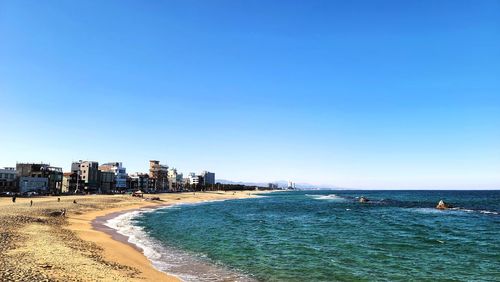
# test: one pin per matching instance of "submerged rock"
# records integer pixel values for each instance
(363, 199)
(443, 206)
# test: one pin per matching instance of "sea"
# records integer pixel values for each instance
(325, 235)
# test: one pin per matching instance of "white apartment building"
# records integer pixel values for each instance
(193, 178)
(119, 171)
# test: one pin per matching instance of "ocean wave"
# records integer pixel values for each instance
(330, 197)
(456, 210)
(136, 235)
(426, 210)
(181, 264)
(489, 212)
(476, 211)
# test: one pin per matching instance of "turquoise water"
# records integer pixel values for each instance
(329, 236)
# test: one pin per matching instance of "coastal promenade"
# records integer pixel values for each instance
(38, 243)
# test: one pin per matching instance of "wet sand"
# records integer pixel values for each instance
(38, 244)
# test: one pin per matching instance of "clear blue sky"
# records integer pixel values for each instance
(369, 94)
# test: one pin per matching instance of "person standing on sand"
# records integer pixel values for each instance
(58, 200)
(13, 199)
(31, 203)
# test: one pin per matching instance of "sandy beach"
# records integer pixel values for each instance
(39, 244)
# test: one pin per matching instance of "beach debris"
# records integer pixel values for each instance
(55, 213)
(443, 206)
(363, 199)
(46, 266)
(138, 193)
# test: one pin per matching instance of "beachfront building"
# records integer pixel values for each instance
(180, 181)
(138, 181)
(174, 180)
(87, 176)
(54, 176)
(120, 174)
(33, 184)
(68, 183)
(208, 178)
(158, 175)
(8, 179)
(106, 182)
(194, 179)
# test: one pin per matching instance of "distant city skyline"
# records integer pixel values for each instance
(353, 94)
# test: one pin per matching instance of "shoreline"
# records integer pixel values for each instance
(99, 224)
(117, 247)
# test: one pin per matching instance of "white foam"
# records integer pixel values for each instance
(136, 235)
(426, 210)
(331, 197)
(489, 212)
(181, 264)
(451, 211)
(479, 211)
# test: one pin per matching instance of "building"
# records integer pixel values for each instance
(120, 174)
(273, 186)
(34, 184)
(139, 181)
(8, 179)
(194, 179)
(208, 178)
(87, 176)
(68, 183)
(180, 181)
(158, 175)
(54, 176)
(174, 180)
(106, 182)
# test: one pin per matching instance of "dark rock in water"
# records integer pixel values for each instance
(443, 206)
(362, 199)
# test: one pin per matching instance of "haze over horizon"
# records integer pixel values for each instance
(358, 94)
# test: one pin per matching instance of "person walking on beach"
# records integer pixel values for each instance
(58, 200)
(31, 203)
(13, 199)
